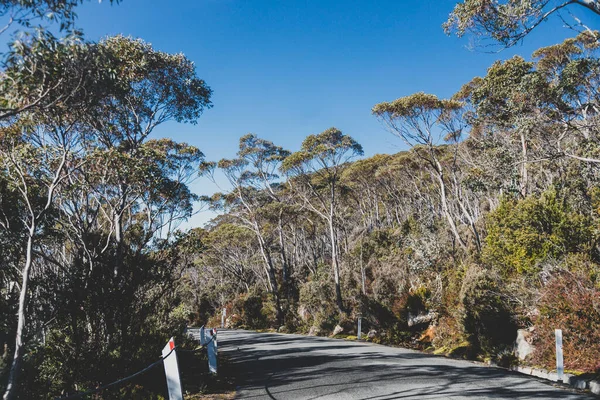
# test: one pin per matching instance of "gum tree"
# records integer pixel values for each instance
(425, 122)
(254, 196)
(314, 175)
(508, 21)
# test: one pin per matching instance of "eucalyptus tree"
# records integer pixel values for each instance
(314, 174)
(509, 21)
(424, 123)
(40, 149)
(362, 176)
(84, 158)
(231, 260)
(155, 87)
(36, 71)
(571, 70)
(254, 181)
(26, 13)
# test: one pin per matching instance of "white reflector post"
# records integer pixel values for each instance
(212, 352)
(172, 371)
(202, 336)
(559, 355)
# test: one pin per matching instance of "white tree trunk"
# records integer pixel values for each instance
(10, 392)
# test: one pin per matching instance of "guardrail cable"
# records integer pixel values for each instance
(130, 377)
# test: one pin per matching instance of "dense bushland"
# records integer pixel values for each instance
(486, 225)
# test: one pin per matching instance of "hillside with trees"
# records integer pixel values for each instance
(487, 223)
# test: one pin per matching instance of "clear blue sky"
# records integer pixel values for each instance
(285, 69)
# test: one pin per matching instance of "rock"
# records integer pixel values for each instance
(231, 321)
(372, 334)
(421, 318)
(523, 346)
(282, 329)
(303, 313)
(337, 330)
(595, 387)
(314, 331)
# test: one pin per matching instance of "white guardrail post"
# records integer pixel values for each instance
(212, 352)
(560, 369)
(172, 371)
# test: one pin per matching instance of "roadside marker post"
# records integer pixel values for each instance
(359, 328)
(560, 370)
(202, 336)
(212, 352)
(172, 371)
(223, 315)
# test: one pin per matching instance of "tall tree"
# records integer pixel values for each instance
(40, 150)
(509, 21)
(254, 180)
(314, 175)
(425, 122)
(155, 87)
(24, 13)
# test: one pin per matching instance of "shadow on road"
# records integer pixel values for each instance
(290, 366)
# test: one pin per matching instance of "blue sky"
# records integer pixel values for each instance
(285, 69)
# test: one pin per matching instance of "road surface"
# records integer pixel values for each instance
(276, 366)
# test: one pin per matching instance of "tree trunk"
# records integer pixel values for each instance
(10, 392)
(524, 177)
(284, 262)
(362, 269)
(445, 209)
(335, 265)
(271, 277)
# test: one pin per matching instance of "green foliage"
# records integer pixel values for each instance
(316, 297)
(418, 300)
(414, 106)
(569, 302)
(330, 148)
(26, 12)
(506, 22)
(523, 233)
(488, 316)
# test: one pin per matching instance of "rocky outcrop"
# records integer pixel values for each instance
(523, 346)
(337, 330)
(421, 319)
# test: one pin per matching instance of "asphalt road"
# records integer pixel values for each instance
(276, 366)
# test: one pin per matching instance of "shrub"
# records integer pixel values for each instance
(252, 315)
(487, 315)
(523, 233)
(570, 302)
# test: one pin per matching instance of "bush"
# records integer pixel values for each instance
(317, 295)
(488, 318)
(252, 315)
(570, 302)
(523, 233)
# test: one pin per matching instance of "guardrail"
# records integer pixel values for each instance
(207, 339)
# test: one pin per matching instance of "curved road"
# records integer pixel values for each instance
(277, 366)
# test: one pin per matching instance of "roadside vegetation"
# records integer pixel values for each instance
(486, 224)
